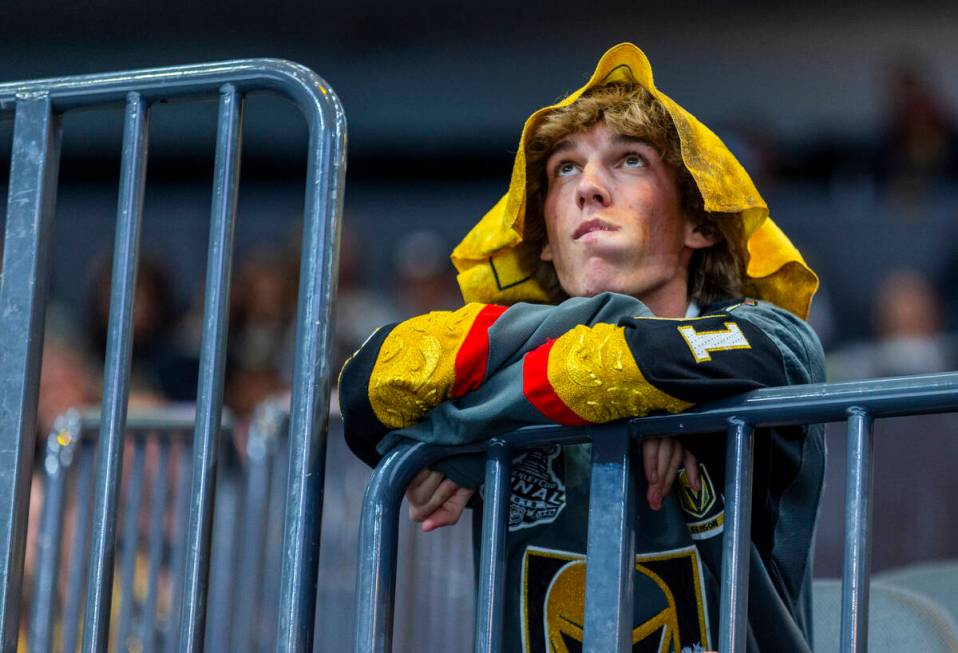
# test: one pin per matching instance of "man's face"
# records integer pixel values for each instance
(614, 222)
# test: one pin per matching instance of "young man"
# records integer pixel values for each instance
(637, 235)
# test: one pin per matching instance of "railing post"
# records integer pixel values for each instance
(116, 377)
(610, 571)
(737, 540)
(209, 401)
(60, 450)
(857, 566)
(23, 289)
(492, 561)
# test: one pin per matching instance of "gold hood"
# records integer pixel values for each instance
(495, 265)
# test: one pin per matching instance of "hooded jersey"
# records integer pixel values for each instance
(484, 370)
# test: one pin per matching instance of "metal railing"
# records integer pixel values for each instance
(610, 549)
(247, 531)
(37, 107)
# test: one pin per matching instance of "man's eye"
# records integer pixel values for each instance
(565, 168)
(634, 161)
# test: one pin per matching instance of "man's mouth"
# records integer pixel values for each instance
(592, 226)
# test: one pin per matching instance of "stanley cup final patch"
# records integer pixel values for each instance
(538, 493)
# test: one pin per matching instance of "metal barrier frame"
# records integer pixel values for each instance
(608, 602)
(72, 442)
(37, 107)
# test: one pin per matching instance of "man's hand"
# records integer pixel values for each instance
(435, 501)
(661, 458)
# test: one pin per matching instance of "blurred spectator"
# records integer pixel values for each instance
(425, 278)
(919, 146)
(161, 369)
(66, 372)
(908, 325)
(262, 310)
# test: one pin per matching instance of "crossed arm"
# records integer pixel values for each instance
(458, 377)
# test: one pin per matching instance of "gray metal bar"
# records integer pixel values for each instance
(610, 572)
(858, 500)
(813, 404)
(326, 168)
(296, 82)
(61, 444)
(267, 621)
(79, 549)
(267, 421)
(116, 382)
(155, 544)
(492, 562)
(130, 546)
(378, 530)
(212, 366)
(222, 568)
(737, 538)
(23, 289)
(184, 464)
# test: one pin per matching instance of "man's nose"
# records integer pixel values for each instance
(593, 188)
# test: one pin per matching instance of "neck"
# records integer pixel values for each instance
(669, 301)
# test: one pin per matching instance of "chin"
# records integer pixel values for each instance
(592, 287)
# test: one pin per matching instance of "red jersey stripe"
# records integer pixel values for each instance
(473, 355)
(538, 389)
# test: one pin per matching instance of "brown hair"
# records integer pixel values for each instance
(715, 272)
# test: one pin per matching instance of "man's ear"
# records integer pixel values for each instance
(546, 253)
(700, 235)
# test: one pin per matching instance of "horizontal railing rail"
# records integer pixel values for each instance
(610, 549)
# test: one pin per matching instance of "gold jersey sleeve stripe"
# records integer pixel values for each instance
(415, 369)
(593, 372)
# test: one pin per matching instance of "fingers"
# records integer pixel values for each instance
(449, 512)
(650, 457)
(691, 465)
(678, 454)
(661, 459)
(433, 490)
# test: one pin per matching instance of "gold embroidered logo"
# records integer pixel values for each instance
(672, 616)
(696, 504)
(703, 343)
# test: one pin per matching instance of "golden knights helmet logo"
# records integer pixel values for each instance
(696, 504)
(672, 617)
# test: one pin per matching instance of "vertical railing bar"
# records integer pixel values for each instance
(260, 453)
(23, 289)
(60, 447)
(309, 411)
(212, 365)
(610, 568)
(222, 567)
(737, 538)
(155, 543)
(378, 543)
(266, 623)
(116, 377)
(857, 562)
(130, 543)
(184, 464)
(79, 550)
(492, 562)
